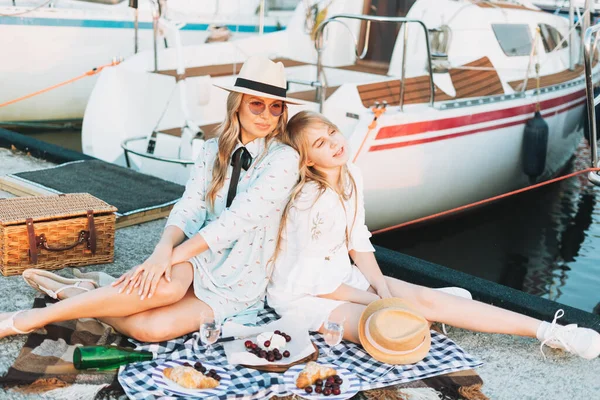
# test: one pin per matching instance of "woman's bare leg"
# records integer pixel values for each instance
(162, 323)
(108, 302)
(351, 312)
(437, 306)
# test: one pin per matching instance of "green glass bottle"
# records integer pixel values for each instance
(104, 358)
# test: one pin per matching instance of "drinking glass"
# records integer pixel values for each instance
(210, 329)
(333, 332)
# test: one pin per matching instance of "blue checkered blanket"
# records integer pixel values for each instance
(444, 357)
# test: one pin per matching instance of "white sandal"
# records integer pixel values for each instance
(101, 279)
(29, 277)
(9, 323)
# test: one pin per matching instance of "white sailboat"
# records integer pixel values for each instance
(435, 121)
(47, 42)
(562, 6)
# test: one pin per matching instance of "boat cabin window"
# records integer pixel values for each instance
(514, 39)
(551, 38)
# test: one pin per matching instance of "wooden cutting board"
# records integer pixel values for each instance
(282, 368)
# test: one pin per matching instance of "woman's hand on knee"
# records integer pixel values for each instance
(130, 279)
(147, 275)
(124, 280)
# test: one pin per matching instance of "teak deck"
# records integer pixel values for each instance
(222, 69)
(481, 81)
(467, 83)
(548, 80)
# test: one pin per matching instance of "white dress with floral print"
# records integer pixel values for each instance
(314, 256)
(231, 275)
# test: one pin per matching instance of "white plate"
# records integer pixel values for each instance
(349, 387)
(300, 347)
(170, 386)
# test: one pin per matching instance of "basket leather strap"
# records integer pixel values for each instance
(92, 231)
(36, 242)
(32, 241)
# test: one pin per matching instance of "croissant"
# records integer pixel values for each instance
(311, 372)
(189, 378)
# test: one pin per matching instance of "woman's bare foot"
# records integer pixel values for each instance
(6, 331)
(55, 286)
(14, 323)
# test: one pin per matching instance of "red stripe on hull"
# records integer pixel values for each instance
(464, 133)
(456, 122)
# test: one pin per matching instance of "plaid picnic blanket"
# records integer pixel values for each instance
(46, 360)
(44, 365)
(248, 384)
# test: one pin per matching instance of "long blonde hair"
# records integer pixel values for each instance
(229, 134)
(346, 187)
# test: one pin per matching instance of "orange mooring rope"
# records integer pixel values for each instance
(378, 110)
(477, 203)
(91, 72)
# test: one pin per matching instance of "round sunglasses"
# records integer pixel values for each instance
(257, 107)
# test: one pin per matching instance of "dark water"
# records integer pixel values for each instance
(544, 242)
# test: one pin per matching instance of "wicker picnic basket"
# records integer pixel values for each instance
(52, 232)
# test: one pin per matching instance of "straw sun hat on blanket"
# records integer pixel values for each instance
(391, 331)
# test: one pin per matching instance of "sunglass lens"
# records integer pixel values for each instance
(276, 109)
(256, 107)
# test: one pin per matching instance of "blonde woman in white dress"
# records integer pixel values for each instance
(231, 230)
(323, 229)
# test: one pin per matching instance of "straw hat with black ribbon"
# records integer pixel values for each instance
(262, 77)
(391, 331)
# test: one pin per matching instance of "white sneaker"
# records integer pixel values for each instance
(583, 342)
(455, 291)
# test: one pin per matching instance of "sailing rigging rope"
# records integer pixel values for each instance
(27, 11)
(579, 23)
(485, 201)
(91, 72)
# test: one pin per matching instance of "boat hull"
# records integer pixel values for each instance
(428, 168)
(52, 45)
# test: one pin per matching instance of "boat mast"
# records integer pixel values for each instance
(134, 4)
(571, 24)
(261, 20)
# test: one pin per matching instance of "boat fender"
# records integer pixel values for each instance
(535, 146)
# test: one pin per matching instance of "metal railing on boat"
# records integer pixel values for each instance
(589, 50)
(321, 83)
(126, 146)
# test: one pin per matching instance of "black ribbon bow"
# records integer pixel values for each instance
(241, 159)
